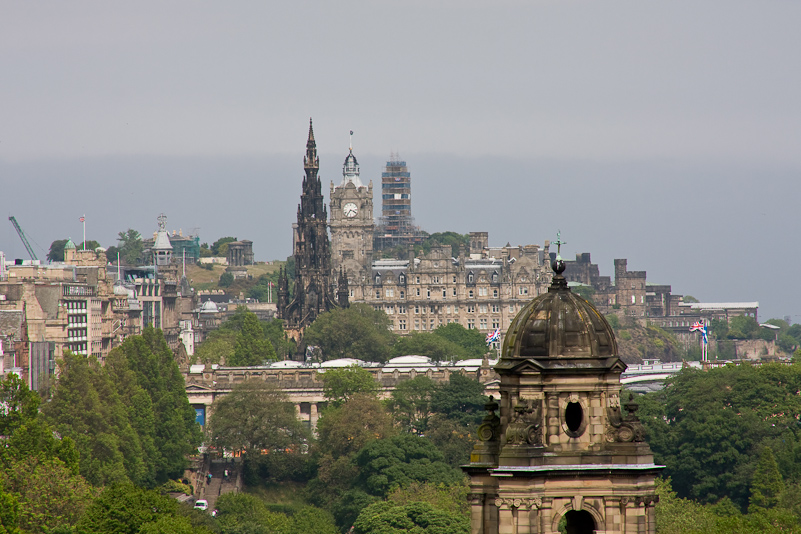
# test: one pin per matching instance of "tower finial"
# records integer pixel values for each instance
(351, 141)
(559, 244)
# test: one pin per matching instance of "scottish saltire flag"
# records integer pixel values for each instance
(699, 326)
(494, 336)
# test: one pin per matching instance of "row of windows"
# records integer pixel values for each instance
(482, 292)
(435, 279)
(422, 324)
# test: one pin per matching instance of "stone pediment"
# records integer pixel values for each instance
(198, 387)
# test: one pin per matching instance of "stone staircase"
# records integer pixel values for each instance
(220, 485)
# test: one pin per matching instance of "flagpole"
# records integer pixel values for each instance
(83, 219)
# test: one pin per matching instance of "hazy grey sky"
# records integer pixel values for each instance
(666, 132)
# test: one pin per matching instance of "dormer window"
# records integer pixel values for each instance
(470, 277)
(402, 279)
(377, 279)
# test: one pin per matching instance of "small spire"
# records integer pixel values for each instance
(351, 141)
(311, 161)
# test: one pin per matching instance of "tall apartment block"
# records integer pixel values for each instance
(396, 225)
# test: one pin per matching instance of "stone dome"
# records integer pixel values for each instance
(559, 325)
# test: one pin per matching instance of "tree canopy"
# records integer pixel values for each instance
(340, 385)
(220, 247)
(390, 518)
(130, 246)
(130, 419)
(256, 416)
(709, 428)
(358, 332)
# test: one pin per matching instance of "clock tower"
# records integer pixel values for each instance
(351, 223)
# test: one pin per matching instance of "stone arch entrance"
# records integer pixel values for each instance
(578, 522)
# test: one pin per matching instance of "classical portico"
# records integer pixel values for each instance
(563, 446)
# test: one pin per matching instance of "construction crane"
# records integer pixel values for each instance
(24, 239)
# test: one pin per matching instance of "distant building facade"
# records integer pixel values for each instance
(84, 306)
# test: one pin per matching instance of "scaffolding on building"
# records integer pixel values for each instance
(396, 224)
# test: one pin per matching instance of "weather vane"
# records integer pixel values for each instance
(162, 221)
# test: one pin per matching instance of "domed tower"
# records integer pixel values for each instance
(561, 449)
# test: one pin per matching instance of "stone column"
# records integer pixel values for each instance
(476, 513)
(313, 415)
(506, 519)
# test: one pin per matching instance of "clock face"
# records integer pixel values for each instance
(350, 210)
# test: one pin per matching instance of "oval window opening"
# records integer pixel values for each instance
(574, 415)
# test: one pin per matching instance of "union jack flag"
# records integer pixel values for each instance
(699, 326)
(494, 335)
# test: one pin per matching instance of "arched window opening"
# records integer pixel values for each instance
(577, 522)
(574, 416)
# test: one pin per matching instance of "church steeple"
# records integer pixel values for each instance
(311, 161)
(314, 284)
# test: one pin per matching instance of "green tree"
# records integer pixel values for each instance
(453, 438)
(422, 518)
(86, 408)
(111, 254)
(472, 341)
(428, 344)
(176, 433)
(274, 332)
(708, 426)
(251, 347)
(91, 244)
(49, 493)
(226, 279)
(410, 403)
(462, 399)
(218, 347)
(130, 246)
(310, 520)
(342, 384)
(9, 514)
(125, 509)
(345, 429)
(256, 416)
(216, 247)
(57, 250)
(767, 484)
(358, 331)
(453, 239)
(399, 461)
(36, 439)
(19, 404)
(448, 497)
(743, 327)
(244, 513)
(585, 292)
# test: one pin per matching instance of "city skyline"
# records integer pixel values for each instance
(664, 133)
